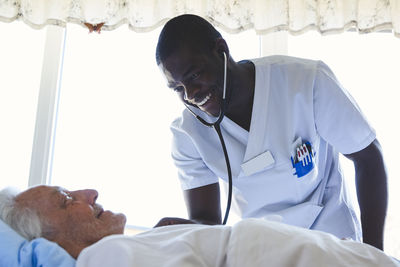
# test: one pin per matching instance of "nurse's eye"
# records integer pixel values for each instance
(194, 76)
(178, 89)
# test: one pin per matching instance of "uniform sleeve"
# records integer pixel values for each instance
(192, 170)
(338, 118)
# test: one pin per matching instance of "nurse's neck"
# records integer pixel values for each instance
(241, 85)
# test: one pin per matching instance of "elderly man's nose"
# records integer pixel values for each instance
(88, 195)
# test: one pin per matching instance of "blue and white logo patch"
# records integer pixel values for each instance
(303, 158)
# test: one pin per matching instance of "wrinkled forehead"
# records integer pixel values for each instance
(40, 195)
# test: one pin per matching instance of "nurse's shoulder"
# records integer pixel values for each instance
(286, 63)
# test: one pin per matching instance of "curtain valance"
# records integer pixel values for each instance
(295, 16)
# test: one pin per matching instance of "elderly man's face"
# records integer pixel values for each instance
(73, 216)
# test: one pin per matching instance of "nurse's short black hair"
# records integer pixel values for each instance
(185, 30)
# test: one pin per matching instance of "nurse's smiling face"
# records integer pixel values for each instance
(72, 219)
(197, 77)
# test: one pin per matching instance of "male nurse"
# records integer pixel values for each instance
(294, 113)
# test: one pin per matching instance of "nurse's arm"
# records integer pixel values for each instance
(371, 185)
(173, 221)
(203, 204)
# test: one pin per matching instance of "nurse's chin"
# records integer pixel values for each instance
(211, 108)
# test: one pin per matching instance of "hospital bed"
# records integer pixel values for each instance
(198, 245)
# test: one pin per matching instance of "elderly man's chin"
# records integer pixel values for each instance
(115, 222)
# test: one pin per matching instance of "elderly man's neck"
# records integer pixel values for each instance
(73, 248)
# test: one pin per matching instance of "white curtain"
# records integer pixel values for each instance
(295, 16)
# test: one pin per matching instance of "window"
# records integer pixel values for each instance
(113, 124)
(20, 71)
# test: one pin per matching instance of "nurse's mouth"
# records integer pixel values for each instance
(205, 99)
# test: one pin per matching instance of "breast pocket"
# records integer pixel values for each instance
(304, 160)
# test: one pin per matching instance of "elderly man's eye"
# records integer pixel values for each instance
(66, 194)
(66, 198)
(67, 201)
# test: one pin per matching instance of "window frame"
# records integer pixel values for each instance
(46, 115)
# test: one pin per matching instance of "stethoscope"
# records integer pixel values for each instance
(216, 126)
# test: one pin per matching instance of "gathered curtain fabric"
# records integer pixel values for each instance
(264, 16)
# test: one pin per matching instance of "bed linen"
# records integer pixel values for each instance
(251, 242)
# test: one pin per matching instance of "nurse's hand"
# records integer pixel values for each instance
(173, 220)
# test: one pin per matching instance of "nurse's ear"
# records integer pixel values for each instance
(221, 47)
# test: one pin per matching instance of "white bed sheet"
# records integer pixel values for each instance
(251, 242)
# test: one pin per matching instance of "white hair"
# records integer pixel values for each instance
(23, 220)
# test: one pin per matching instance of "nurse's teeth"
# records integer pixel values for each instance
(204, 100)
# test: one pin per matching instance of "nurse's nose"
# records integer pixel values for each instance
(190, 93)
(86, 195)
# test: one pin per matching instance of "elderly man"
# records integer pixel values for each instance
(77, 223)
(72, 219)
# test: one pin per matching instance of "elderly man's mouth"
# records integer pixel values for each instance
(100, 213)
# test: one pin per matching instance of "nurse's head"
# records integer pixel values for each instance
(190, 55)
(72, 219)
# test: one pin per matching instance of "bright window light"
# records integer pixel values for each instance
(368, 67)
(113, 125)
(21, 54)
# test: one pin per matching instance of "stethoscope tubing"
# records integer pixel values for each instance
(216, 126)
(228, 168)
